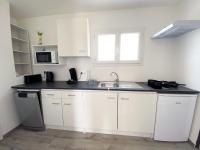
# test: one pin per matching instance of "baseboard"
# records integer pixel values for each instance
(65, 128)
(100, 131)
(136, 134)
(191, 143)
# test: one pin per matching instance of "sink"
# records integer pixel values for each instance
(119, 85)
(108, 84)
(129, 85)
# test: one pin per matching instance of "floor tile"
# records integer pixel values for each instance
(21, 139)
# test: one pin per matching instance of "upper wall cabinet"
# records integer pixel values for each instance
(178, 28)
(73, 37)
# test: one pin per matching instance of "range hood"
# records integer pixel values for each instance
(178, 28)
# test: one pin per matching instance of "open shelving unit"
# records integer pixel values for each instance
(21, 50)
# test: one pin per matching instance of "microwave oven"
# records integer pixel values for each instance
(46, 57)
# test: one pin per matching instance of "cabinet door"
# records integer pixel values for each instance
(174, 117)
(100, 110)
(73, 109)
(52, 111)
(73, 37)
(136, 112)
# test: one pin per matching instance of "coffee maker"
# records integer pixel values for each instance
(73, 75)
(49, 76)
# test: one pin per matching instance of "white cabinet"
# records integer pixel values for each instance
(136, 113)
(174, 117)
(100, 111)
(126, 113)
(73, 114)
(73, 37)
(52, 108)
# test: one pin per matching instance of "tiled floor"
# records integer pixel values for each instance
(21, 139)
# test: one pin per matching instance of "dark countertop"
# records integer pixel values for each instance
(83, 85)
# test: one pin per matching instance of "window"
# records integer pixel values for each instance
(106, 47)
(129, 46)
(119, 47)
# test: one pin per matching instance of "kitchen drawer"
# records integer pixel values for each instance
(125, 96)
(71, 95)
(51, 94)
(54, 101)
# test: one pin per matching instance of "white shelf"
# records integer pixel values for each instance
(18, 75)
(22, 63)
(22, 52)
(48, 64)
(47, 45)
(19, 40)
(16, 27)
(178, 28)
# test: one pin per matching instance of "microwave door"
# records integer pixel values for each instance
(43, 57)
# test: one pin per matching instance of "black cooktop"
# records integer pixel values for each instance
(156, 84)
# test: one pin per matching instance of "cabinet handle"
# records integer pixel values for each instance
(178, 103)
(55, 103)
(124, 99)
(82, 51)
(111, 97)
(71, 95)
(67, 104)
(51, 94)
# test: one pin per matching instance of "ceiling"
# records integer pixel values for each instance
(35, 8)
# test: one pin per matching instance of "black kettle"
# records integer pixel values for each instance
(49, 76)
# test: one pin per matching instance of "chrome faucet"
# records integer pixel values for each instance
(117, 77)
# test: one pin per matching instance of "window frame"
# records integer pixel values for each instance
(118, 32)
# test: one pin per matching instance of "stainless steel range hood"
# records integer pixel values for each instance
(177, 28)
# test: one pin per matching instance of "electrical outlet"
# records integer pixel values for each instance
(83, 76)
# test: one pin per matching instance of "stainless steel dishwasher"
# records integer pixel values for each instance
(30, 109)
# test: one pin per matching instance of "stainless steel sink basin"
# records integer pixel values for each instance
(119, 85)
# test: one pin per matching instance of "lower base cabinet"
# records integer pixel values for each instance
(52, 111)
(126, 113)
(136, 113)
(100, 111)
(73, 110)
(81, 111)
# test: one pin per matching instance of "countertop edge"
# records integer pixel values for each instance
(85, 86)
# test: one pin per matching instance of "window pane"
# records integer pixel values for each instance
(129, 46)
(106, 47)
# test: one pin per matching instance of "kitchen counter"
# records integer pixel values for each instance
(83, 85)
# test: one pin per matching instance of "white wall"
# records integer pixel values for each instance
(158, 54)
(1, 133)
(8, 115)
(189, 58)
